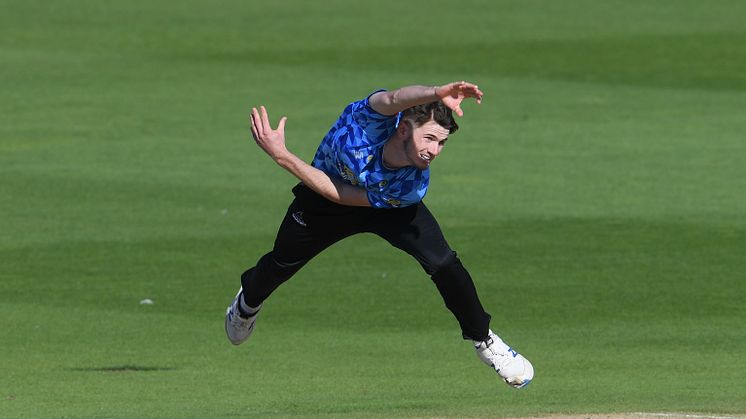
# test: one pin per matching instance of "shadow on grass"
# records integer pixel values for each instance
(121, 368)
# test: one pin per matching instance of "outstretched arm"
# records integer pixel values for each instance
(452, 94)
(272, 141)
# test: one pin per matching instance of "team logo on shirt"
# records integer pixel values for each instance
(393, 202)
(349, 175)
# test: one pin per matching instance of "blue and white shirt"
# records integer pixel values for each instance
(353, 151)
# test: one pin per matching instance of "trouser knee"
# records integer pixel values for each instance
(444, 265)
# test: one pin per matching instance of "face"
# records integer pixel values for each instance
(424, 143)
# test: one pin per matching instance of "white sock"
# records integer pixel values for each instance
(245, 307)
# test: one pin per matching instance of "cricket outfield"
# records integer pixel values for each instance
(597, 196)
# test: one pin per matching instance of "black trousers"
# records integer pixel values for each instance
(313, 223)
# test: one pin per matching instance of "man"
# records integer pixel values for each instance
(370, 174)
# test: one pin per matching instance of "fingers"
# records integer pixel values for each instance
(472, 90)
(467, 90)
(261, 129)
(256, 126)
(475, 93)
(253, 130)
(265, 120)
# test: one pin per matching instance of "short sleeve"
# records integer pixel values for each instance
(378, 128)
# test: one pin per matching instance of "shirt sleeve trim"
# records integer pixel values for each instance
(367, 102)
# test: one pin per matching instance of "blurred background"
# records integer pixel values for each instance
(597, 196)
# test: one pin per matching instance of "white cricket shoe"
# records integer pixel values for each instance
(509, 364)
(237, 327)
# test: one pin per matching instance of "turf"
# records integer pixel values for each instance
(597, 196)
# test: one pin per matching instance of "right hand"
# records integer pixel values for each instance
(272, 141)
(452, 94)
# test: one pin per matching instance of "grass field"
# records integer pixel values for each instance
(597, 196)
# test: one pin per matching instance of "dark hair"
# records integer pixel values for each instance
(436, 111)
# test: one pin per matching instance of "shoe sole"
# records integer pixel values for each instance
(523, 385)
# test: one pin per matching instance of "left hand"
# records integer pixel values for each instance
(452, 94)
(272, 141)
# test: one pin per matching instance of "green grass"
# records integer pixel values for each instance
(597, 196)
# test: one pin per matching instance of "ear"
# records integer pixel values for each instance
(404, 128)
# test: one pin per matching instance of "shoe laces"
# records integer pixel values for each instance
(236, 319)
(493, 351)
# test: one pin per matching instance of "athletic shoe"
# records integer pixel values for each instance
(509, 364)
(237, 326)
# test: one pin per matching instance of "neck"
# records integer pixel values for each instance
(394, 153)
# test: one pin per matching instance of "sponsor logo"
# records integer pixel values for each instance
(349, 175)
(298, 217)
